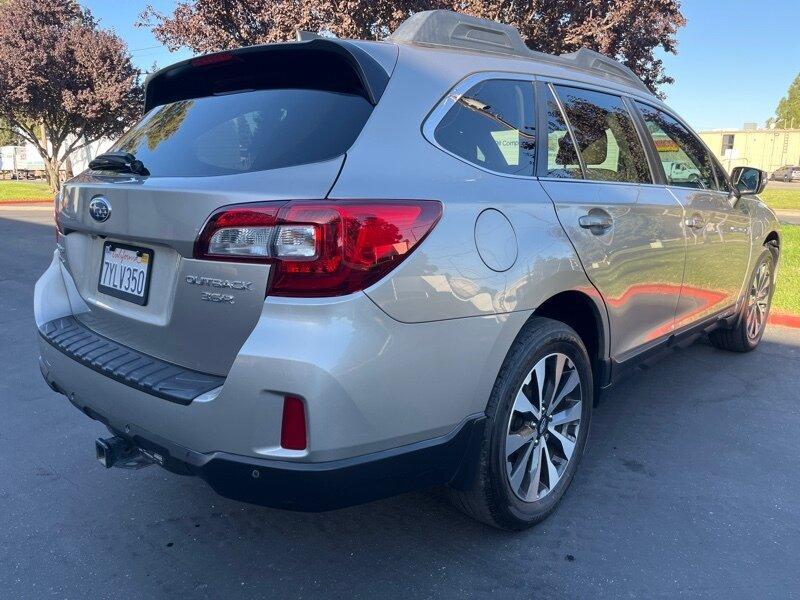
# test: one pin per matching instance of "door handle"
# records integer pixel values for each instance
(596, 222)
(695, 222)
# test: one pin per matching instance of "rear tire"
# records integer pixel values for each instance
(540, 409)
(749, 329)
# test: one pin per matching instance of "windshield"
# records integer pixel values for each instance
(246, 131)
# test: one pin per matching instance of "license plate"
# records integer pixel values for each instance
(125, 272)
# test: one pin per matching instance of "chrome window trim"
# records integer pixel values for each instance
(654, 165)
(598, 182)
(600, 87)
(554, 95)
(454, 95)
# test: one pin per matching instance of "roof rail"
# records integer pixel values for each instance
(301, 35)
(450, 29)
(456, 30)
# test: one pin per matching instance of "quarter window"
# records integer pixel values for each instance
(493, 126)
(685, 160)
(605, 136)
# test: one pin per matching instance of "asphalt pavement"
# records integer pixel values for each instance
(690, 487)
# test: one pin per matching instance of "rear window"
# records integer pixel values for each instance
(246, 131)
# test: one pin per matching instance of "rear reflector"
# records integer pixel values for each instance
(293, 426)
(319, 248)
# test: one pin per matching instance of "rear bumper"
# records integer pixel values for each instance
(316, 487)
(369, 383)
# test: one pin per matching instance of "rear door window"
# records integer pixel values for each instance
(493, 126)
(605, 135)
(686, 161)
(562, 158)
(246, 131)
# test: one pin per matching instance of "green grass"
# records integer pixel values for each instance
(787, 292)
(21, 191)
(781, 198)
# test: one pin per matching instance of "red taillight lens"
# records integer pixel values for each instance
(293, 424)
(212, 59)
(320, 248)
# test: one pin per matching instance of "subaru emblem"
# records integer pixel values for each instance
(99, 209)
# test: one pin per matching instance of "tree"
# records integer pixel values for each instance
(211, 25)
(628, 30)
(63, 77)
(788, 112)
(8, 135)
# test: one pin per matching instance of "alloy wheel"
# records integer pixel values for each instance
(543, 427)
(758, 301)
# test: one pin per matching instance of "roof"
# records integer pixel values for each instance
(448, 29)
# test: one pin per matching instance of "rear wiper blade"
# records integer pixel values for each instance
(120, 162)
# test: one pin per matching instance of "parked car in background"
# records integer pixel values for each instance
(323, 272)
(787, 173)
(681, 172)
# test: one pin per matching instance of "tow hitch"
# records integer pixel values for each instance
(119, 452)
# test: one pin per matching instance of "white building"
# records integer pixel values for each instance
(20, 158)
(26, 157)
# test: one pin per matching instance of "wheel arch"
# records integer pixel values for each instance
(773, 239)
(585, 313)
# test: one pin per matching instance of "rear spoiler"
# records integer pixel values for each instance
(327, 64)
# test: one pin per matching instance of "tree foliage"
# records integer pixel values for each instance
(8, 135)
(788, 112)
(628, 30)
(61, 73)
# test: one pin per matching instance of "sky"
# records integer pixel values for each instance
(735, 58)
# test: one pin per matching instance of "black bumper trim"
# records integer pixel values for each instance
(316, 487)
(126, 365)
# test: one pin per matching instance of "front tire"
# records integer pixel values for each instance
(749, 329)
(539, 414)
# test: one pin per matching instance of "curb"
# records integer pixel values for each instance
(23, 206)
(784, 320)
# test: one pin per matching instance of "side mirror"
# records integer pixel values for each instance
(749, 180)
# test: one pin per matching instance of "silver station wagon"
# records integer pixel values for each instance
(323, 272)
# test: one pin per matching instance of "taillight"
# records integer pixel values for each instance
(212, 59)
(319, 248)
(242, 233)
